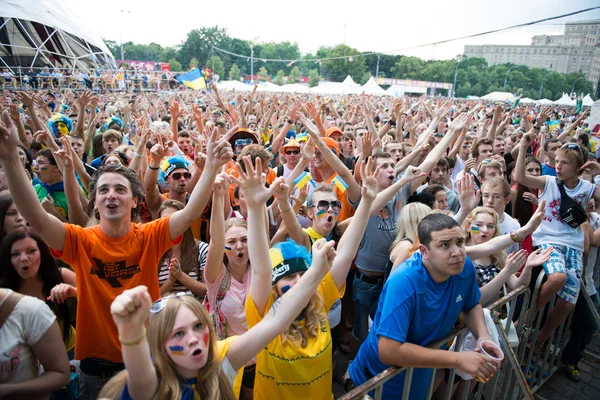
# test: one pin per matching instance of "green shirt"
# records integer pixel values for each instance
(60, 200)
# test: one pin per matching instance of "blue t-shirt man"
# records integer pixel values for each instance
(548, 170)
(413, 308)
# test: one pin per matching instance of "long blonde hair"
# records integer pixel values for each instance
(499, 258)
(212, 383)
(313, 317)
(408, 224)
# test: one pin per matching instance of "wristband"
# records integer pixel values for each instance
(138, 155)
(134, 342)
(515, 238)
(153, 168)
(289, 121)
(283, 211)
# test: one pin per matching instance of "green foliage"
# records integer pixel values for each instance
(354, 66)
(263, 75)
(279, 77)
(313, 78)
(194, 63)
(234, 73)
(175, 65)
(295, 75)
(216, 65)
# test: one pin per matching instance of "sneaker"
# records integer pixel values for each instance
(573, 373)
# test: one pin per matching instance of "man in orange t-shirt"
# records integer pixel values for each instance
(111, 257)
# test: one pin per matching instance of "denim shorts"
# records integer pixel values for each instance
(569, 262)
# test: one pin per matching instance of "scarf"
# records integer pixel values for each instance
(189, 389)
(56, 187)
(314, 236)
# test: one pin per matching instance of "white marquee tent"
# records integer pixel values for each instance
(371, 87)
(565, 100)
(234, 85)
(401, 90)
(527, 100)
(47, 33)
(545, 101)
(588, 101)
(499, 96)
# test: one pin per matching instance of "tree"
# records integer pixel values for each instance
(199, 43)
(216, 65)
(313, 78)
(354, 65)
(408, 68)
(263, 75)
(279, 77)
(175, 65)
(194, 63)
(295, 75)
(234, 73)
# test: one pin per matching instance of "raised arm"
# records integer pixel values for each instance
(285, 310)
(387, 194)
(216, 247)
(350, 240)
(530, 181)
(218, 153)
(500, 243)
(50, 229)
(84, 100)
(77, 215)
(256, 195)
(16, 117)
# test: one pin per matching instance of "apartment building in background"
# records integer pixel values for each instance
(577, 50)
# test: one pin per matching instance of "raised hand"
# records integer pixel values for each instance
(412, 173)
(312, 111)
(233, 113)
(199, 158)
(85, 98)
(539, 257)
(14, 112)
(66, 154)
(222, 184)
(467, 197)
(323, 253)
(218, 151)
(515, 261)
(252, 183)
(281, 190)
(130, 310)
(26, 98)
(311, 128)
(369, 182)
(158, 151)
(9, 138)
(175, 110)
(308, 151)
(536, 219)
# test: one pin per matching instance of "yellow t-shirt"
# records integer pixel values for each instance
(222, 349)
(287, 371)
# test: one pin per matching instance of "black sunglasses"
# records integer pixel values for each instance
(323, 205)
(177, 175)
(573, 146)
(290, 152)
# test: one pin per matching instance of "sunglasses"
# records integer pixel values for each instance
(290, 152)
(486, 161)
(161, 303)
(323, 205)
(438, 135)
(177, 175)
(243, 142)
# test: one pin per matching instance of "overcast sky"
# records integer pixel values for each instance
(365, 25)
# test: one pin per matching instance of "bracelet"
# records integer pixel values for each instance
(515, 237)
(282, 211)
(290, 122)
(138, 155)
(153, 169)
(134, 342)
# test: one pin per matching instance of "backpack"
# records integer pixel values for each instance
(570, 211)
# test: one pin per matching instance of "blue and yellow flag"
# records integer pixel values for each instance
(193, 79)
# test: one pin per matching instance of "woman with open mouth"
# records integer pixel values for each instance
(181, 357)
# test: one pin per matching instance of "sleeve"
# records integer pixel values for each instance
(397, 310)
(329, 291)
(37, 318)
(474, 294)
(159, 235)
(75, 237)
(252, 316)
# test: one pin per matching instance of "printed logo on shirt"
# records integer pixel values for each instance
(113, 271)
(279, 271)
(458, 298)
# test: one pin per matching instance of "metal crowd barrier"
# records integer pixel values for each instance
(523, 371)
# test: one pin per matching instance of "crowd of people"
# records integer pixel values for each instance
(137, 230)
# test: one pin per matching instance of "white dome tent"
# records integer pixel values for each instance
(499, 96)
(36, 33)
(371, 87)
(588, 101)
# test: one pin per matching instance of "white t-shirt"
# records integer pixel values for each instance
(459, 166)
(29, 321)
(507, 226)
(553, 230)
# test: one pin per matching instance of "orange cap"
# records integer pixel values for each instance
(332, 144)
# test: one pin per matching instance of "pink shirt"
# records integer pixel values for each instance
(233, 306)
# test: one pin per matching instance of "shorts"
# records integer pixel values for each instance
(569, 262)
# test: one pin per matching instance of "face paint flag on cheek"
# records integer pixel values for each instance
(206, 338)
(176, 350)
(321, 213)
(227, 248)
(475, 230)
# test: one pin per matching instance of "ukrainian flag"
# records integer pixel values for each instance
(193, 79)
(302, 180)
(339, 183)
